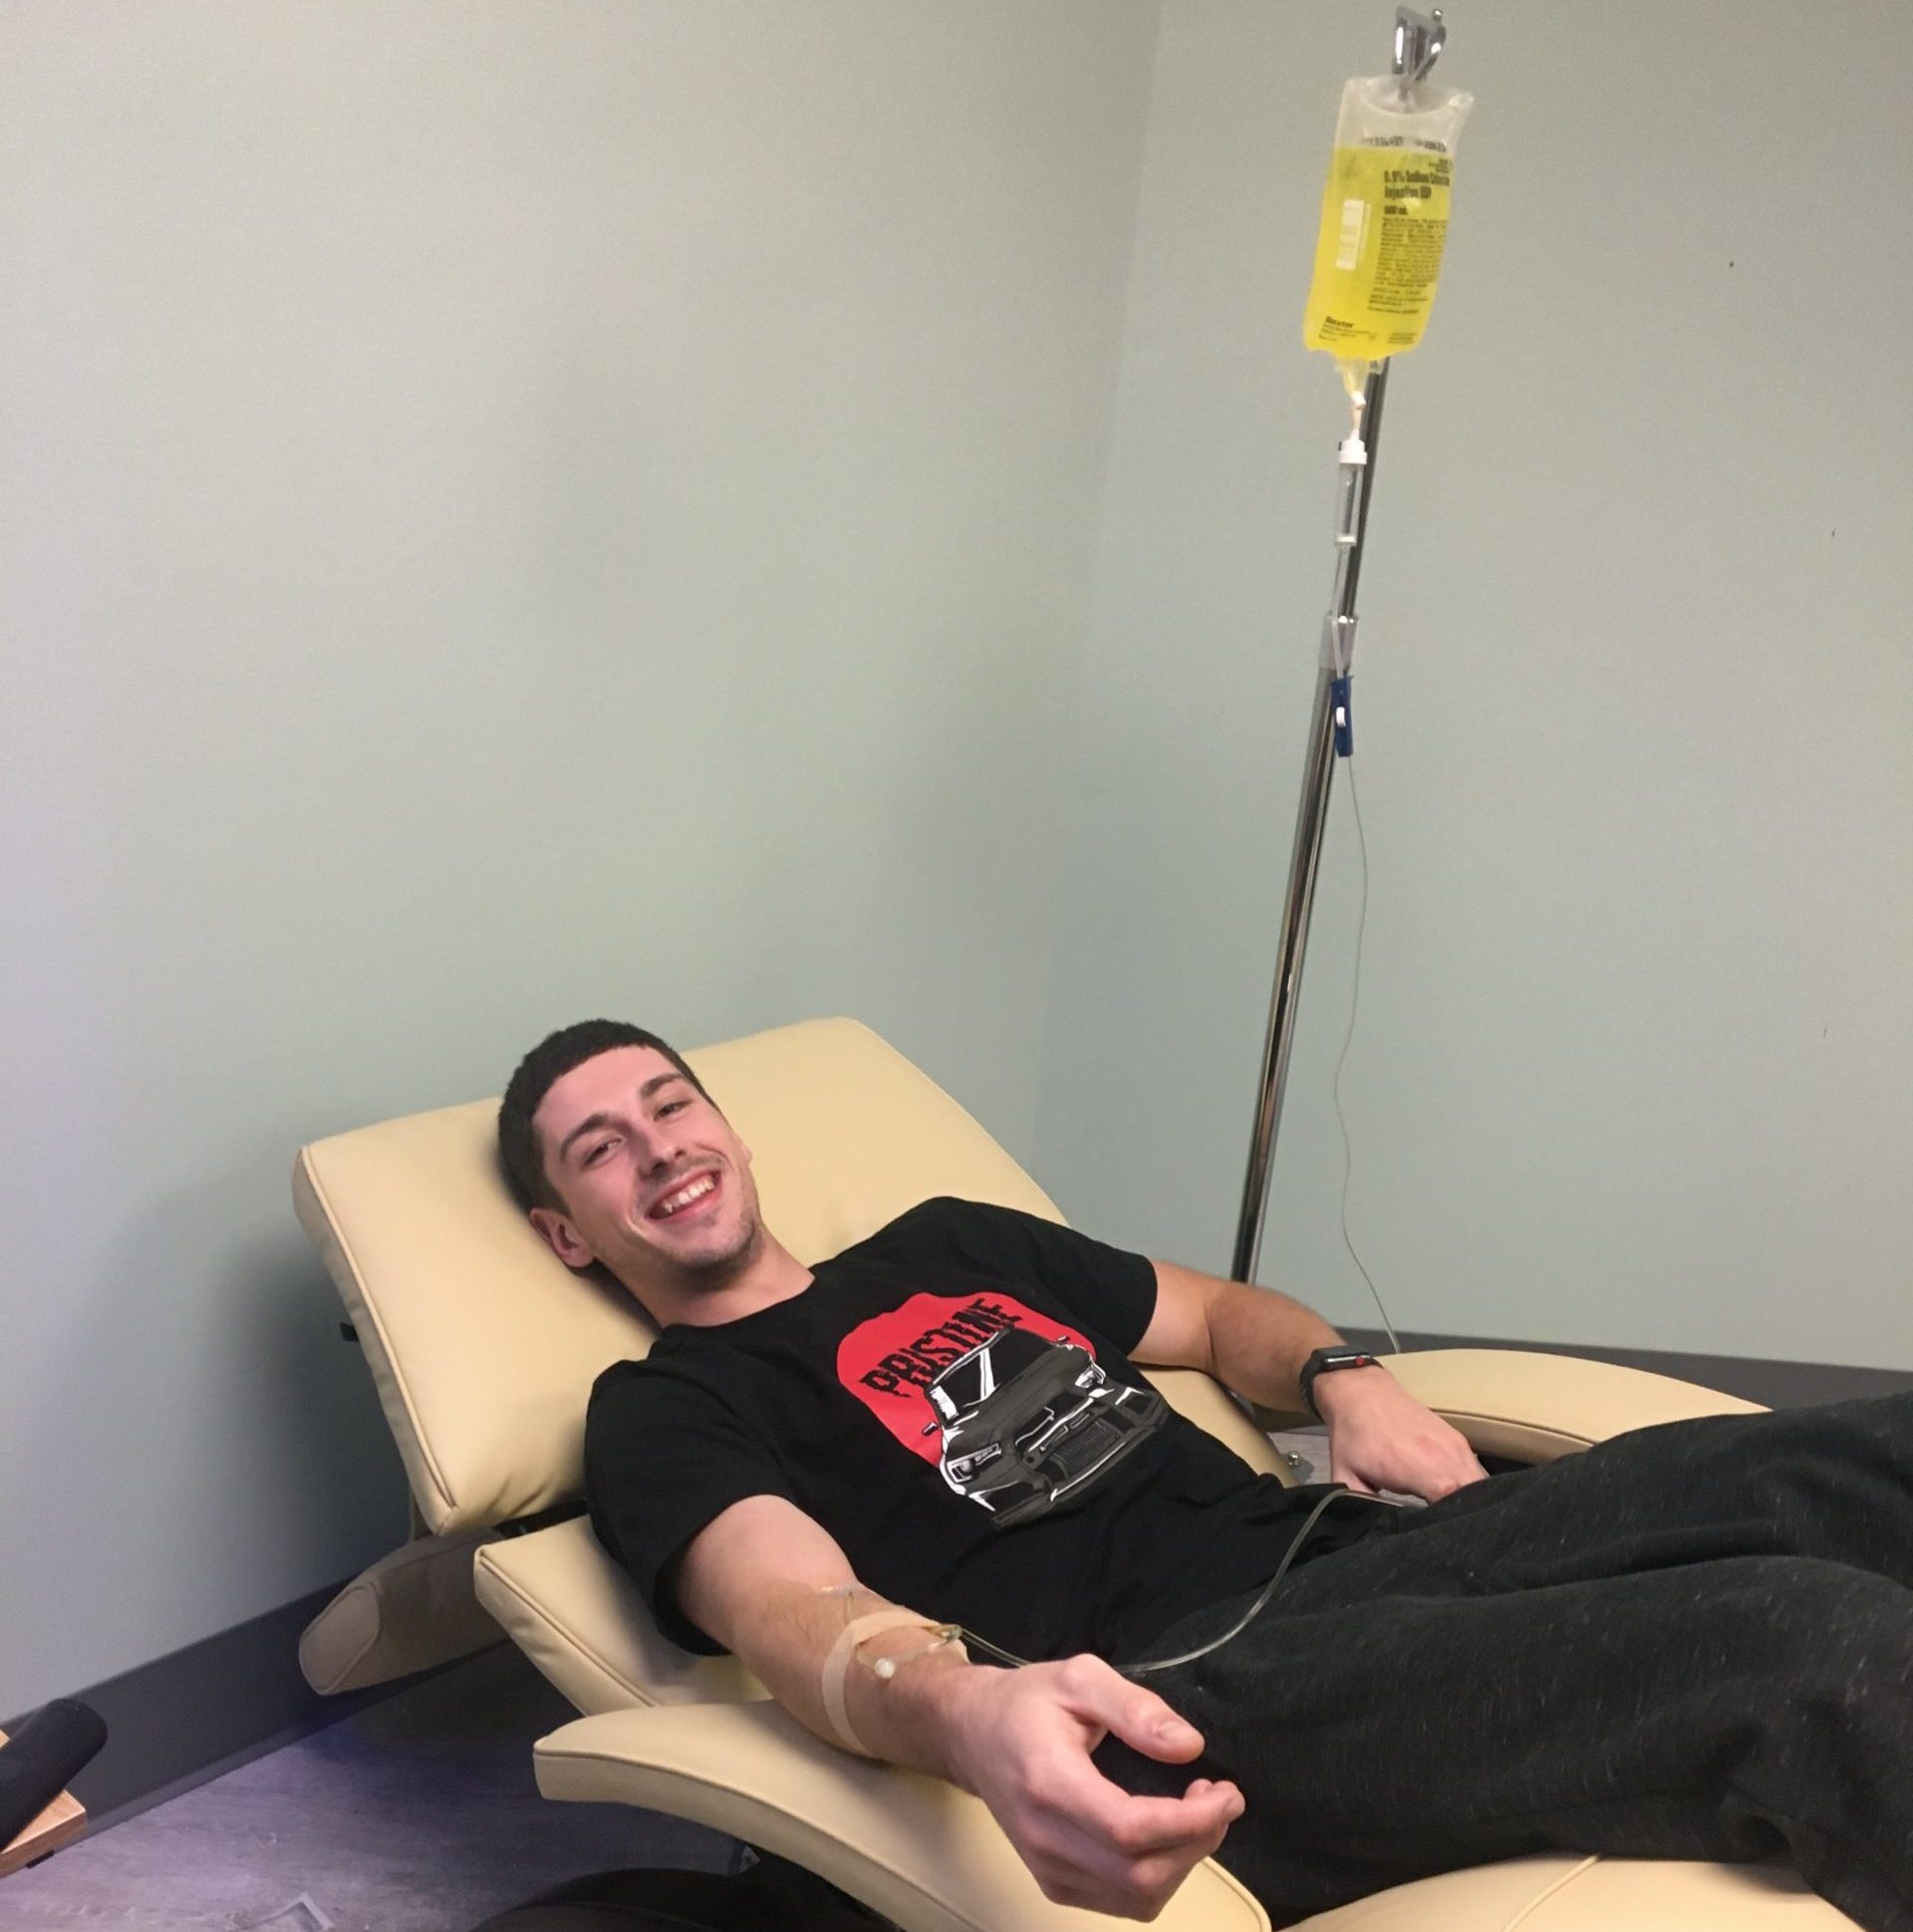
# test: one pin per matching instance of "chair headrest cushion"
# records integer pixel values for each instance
(484, 1346)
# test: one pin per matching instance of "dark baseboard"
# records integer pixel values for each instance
(185, 1718)
(1775, 1385)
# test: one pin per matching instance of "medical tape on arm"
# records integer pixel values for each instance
(859, 1631)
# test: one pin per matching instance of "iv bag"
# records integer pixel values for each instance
(1384, 219)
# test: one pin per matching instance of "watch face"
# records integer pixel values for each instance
(1325, 1361)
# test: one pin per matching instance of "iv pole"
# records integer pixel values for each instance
(1419, 39)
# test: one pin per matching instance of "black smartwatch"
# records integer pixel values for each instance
(1326, 1359)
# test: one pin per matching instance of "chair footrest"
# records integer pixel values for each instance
(410, 1611)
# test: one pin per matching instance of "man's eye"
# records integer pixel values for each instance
(593, 1153)
(670, 1107)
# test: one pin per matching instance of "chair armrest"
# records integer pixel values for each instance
(1533, 1408)
(920, 1852)
(581, 1619)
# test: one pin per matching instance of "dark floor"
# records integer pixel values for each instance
(417, 1815)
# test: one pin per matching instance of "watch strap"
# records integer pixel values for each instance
(1325, 1361)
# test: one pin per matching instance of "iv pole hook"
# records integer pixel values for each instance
(1418, 40)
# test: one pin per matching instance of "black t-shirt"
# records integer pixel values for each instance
(953, 1400)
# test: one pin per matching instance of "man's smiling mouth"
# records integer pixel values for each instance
(681, 1199)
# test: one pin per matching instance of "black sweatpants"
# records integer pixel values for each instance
(1695, 1641)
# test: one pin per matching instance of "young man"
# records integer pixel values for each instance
(1693, 1642)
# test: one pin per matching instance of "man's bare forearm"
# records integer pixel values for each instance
(910, 1719)
(1019, 1740)
(773, 1584)
(1261, 1338)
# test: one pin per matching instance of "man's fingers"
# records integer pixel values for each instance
(1087, 1839)
(1142, 1825)
(1462, 1459)
(1430, 1463)
(1080, 1797)
(1103, 1696)
(1079, 1857)
(1461, 1467)
(1135, 1875)
(1457, 1477)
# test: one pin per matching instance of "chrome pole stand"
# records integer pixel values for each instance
(1330, 735)
(1419, 39)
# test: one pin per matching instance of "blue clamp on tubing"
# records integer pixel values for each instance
(1339, 705)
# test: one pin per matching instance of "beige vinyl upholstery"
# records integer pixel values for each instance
(751, 1771)
(918, 1850)
(1533, 1408)
(1557, 1892)
(411, 1611)
(580, 1619)
(483, 1347)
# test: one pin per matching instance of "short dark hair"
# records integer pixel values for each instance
(520, 1152)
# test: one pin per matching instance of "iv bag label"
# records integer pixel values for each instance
(1354, 226)
(1408, 261)
(1379, 252)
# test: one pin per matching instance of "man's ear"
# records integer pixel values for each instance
(562, 1237)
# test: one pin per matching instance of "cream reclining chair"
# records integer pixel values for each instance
(484, 1346)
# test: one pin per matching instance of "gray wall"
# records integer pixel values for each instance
(1633, 703)
(517, 510)
(509, 511)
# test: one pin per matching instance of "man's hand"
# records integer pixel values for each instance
(1022, 1738)
(1255, 1340)
(1380, 1437)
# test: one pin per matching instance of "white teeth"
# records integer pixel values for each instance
(685, 1195)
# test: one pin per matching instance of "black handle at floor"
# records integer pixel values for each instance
(37, 1761)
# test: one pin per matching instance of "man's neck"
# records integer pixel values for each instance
(770, 1275)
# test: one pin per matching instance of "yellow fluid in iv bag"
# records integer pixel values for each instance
(1384, 220)
(1378, 254)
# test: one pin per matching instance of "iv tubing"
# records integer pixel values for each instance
(1009, 1657)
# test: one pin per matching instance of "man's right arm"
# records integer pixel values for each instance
(771, 1583)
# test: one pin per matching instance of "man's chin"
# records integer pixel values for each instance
(723, 1261)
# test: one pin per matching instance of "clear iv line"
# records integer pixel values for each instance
(972, 1640)
(1348, 1041)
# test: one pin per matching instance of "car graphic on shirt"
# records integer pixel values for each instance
(1025, 1422)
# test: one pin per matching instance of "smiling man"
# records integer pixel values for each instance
(1652, 1648)
(626, 1163)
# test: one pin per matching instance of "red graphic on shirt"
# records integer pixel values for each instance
(889, 1361)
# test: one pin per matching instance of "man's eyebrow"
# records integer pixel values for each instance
(592, 1122)
(589, 1125)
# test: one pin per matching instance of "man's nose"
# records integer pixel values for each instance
(658, 1146)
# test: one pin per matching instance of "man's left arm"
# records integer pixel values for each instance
(1255, 1340)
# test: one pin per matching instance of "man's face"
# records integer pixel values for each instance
(653, 1182)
